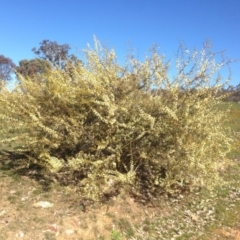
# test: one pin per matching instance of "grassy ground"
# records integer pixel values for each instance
(203, 215)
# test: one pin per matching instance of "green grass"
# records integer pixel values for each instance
(234, 124)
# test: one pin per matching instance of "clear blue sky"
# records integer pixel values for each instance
(120, 24)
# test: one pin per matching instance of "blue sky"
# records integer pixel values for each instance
(122, 25)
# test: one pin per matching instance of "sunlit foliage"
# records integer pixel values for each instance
(123, 126)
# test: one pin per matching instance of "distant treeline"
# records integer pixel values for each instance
(233, 93)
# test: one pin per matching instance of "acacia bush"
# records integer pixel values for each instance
(114, 127)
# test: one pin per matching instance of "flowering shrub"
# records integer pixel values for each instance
(116, 126)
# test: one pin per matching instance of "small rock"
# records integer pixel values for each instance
(20, 234)
(43, 204)
(2, 212)
(69, 231)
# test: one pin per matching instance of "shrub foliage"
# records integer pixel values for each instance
(114, 126)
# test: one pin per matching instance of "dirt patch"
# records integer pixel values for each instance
(65, 218)
(226, 233)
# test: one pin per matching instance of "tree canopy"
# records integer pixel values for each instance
(58, 55)
(33, 67)
(49, 55)
(6, 68)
